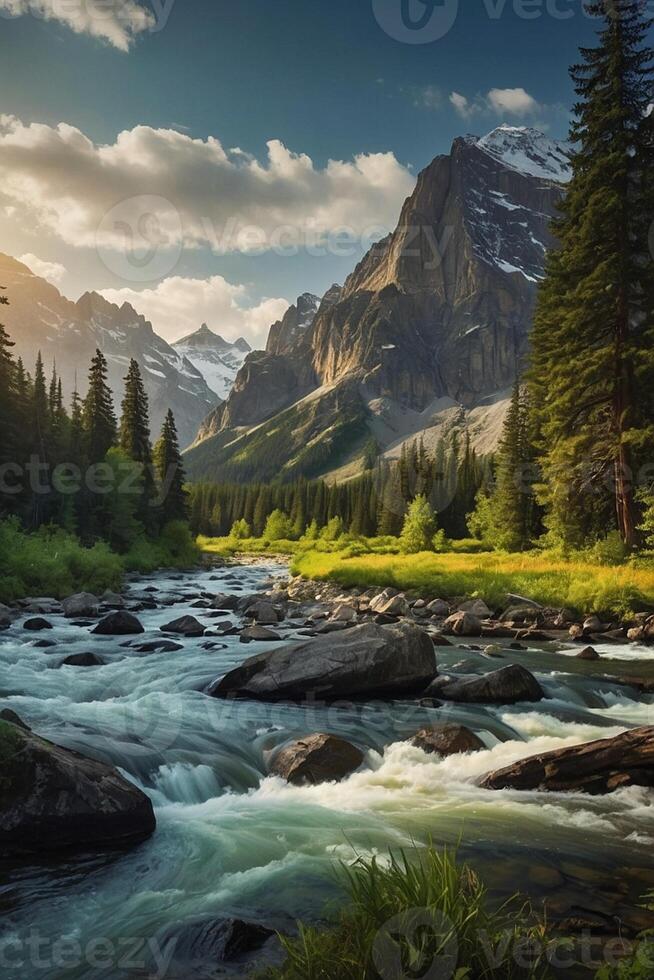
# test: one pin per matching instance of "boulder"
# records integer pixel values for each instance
(54, 799)
(82, 660)
(317, 759)
(119, 623)
(198, 945)
(464, 624)
(395, 605)
(596, 767)
(344, 614)
(112, 600)
(185, 626)
(221, 601)
(43, 606)
(509, 685)
(447, 740)
(477, 607)
(439, 640)
(8, 715)
(588, 653)
(158, 646)
(361, 661)
(80, 605)
(259, 634)
(43, 644)
(37, 625)
(263, 613)
(521, 615)
(438, 607)
(593, 624)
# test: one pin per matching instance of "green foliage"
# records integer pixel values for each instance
(455, 927)
(419, 527)
(170, 473)
(333, 530)
(278, 527)
(240, 530)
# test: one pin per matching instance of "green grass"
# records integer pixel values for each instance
(553, 581)
(52, 562)
(409, 913)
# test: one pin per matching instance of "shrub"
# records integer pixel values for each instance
(419, 527)
(240, 530)
(278, 527)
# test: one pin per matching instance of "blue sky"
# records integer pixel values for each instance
(322, 79)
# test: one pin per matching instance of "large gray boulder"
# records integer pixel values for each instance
(509, 685)
(362, 661)
(120, 623)
(81, 605)
(317, 759)
(52, 798)
(447, 740)
(596, 767)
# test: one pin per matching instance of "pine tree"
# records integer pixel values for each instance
(98, 413)
(9, 433)
(511, 504)
(134, 440)
(170, 471)
(592, 370)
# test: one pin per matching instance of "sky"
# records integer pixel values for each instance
(210, 160)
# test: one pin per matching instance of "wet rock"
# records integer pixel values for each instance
(588, 653)
(82, 660)
(385, 605)
(593, 624)
(361, 661)
(119, 623)
(258, 633)
(577, 632)
(447, 740)
(8, 715)
(54, 799)
(334, 627)
(159, 646)
(509, 685)
(463, 624)
(439, 640)
(263, 613)
(81, 605)
(493, 651)
(438, 607)
(112, 600)
(43, 644)
(317, 759)
(521, 615)
(596, 767)
(185, 626)
(477, 607)
(199, 945)
(43, 606)
(37, 625)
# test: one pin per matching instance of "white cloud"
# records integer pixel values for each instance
(502, 101)
(114, 21)
(177, 306)
(429, 97)
(512, 101)
(208, 195)
(52, 271)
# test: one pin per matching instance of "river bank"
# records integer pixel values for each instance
(234, 840)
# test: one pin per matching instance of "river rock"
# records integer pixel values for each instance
(53, 798)
(37, 625)
(447, 740)
(197, 946)
(361, 661)
(477, 607)
(159, 646)
(119, 623)
(263, 613)
(80, 605)
(83, 660)
(588, 653)
(344, 614)
(8, 715)
(112, 600)
(438, 607)
(395, 605)
(521, 615)
(464, 624)
(221, 601)
(185, 626)
(596, 767)
(258, 633)
(593, 624)
(316, 759)
(43, 644)
(509, 685)
(42, 606)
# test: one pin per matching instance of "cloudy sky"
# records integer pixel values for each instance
(211, 159)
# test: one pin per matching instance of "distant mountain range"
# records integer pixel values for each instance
(217, 360)
(39, 318)
(428, 333)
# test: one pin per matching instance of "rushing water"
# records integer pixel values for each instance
(232, 841)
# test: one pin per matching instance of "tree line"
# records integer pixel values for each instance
(79, 467)
(376, 503)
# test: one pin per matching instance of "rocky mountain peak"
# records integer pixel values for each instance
(294, 324)
(528, 151)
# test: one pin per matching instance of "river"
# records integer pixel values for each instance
(232, 841)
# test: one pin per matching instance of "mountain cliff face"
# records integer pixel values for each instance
(437, 315)
(39, 318)
(217, 360)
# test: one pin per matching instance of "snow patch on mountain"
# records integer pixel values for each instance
(528, 151)
(215, 358)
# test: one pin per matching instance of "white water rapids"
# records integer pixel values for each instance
(231, 841)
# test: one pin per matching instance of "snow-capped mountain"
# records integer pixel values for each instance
(217, 360)
(436, 317)
(67, 334)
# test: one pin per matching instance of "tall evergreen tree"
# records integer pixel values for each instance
(170, 470)
(134, 440)
(98, 412)
(592, 368)
(8, 404)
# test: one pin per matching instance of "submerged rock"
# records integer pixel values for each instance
(83, 660)
(52, 799)
(119, 623)
(588, 653)
(596, 767)
(447, 740)
(361, 661)
(509, 685)
(317, 759)
(37, 625)
(199, 945)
